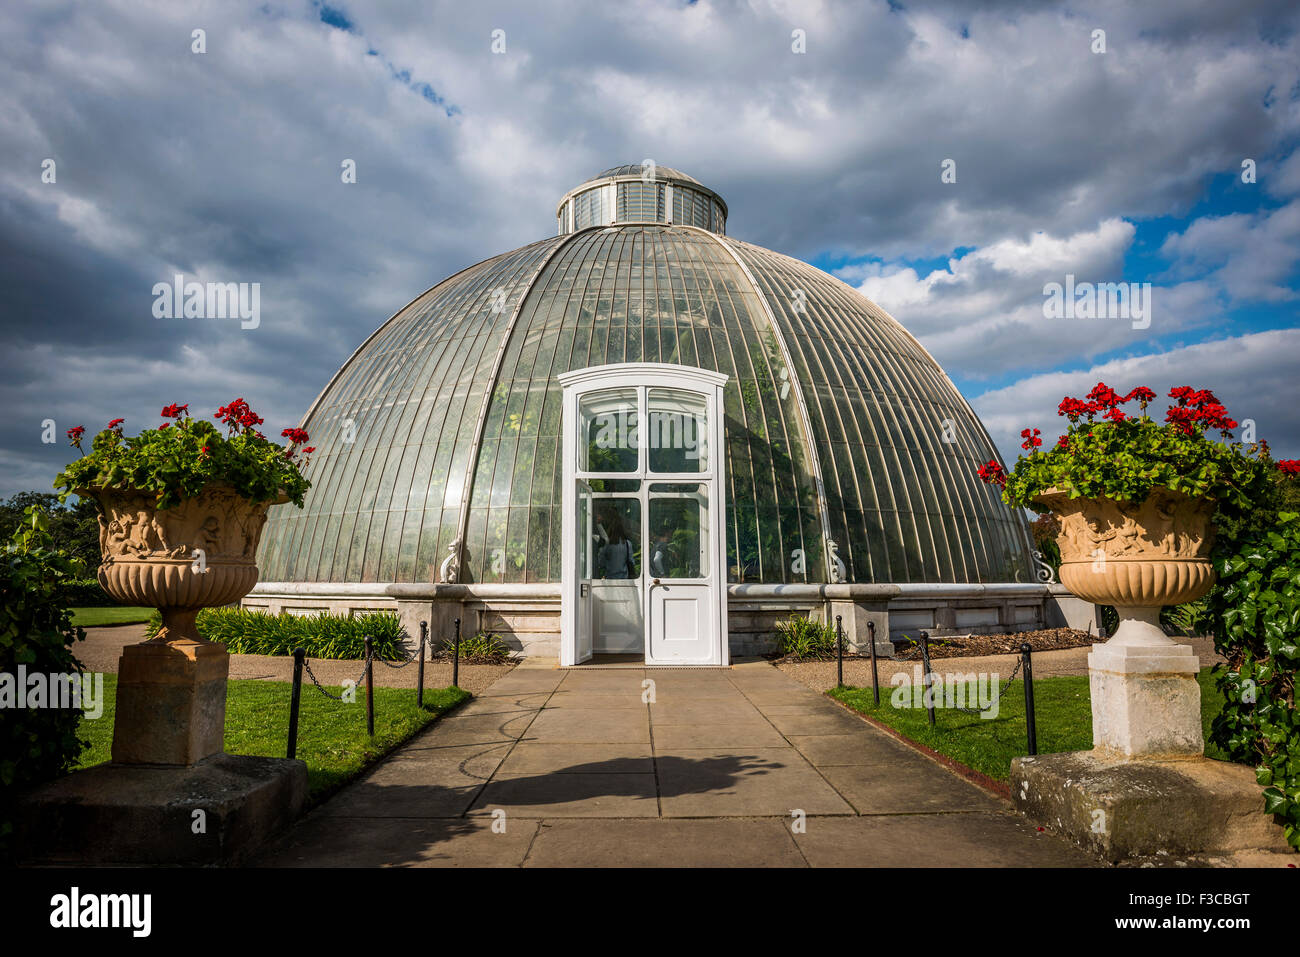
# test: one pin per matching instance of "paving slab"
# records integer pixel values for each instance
(986, 839)
(401, 842)
(909, 786)
(590, 726)
(742, 782)
(540, 757)
(569, 795)
(725, 842)
(828, 750)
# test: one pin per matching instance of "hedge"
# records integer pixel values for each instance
(247, 632)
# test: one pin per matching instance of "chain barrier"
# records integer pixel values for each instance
(321, 688)
(1020, 660)
(410, 658)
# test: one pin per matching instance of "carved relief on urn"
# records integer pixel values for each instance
(1118, 553)
(198, 554)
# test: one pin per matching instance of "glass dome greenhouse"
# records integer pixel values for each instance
(849, 454)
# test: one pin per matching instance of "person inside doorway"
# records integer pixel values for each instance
(660, 553)
(617, 557)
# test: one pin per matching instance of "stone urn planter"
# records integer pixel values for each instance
(171, 697)
(1139, 558)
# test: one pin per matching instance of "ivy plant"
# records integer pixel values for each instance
(1256, 614)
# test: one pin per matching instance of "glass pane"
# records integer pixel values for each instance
(678, 423)
(679, 529)
(616, 539)
(609, 424)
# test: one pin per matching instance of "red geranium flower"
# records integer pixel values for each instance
(1289, 466)
(1032, 441)
(296, 436)
(115, 423)
(75, 435)
(993, 473)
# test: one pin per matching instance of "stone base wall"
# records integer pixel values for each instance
(527, 617)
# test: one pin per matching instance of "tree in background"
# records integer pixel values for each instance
(73, 528)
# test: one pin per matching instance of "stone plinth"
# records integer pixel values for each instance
(1122, 809)
(171, 703)
(1145, 700)
(131, 814)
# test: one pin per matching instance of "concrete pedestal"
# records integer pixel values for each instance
(171, 702)
(216, 812)
(1121, 809)
(1145, 700)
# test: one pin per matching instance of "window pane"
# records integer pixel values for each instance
(616, 538)
(679, 530)
(678, 426)
(610, 431)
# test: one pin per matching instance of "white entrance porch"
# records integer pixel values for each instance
(644, 550)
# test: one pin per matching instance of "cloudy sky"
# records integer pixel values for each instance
(1117, 166)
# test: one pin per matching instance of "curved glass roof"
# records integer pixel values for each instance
(823, 385)
(639, 169)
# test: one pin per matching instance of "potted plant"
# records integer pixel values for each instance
(1136, 500)
(182, 511)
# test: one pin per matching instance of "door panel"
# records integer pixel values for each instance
(681, 578)
(680, 624)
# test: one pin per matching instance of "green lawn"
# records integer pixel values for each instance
(110, 615)
(331, 735)
(1062, 709)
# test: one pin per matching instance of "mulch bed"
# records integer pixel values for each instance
(974, 646)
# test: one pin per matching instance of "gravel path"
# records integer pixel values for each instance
(102, 647)
(820, 675)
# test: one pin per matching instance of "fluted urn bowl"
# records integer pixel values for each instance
(198, 554)
(1135, 556)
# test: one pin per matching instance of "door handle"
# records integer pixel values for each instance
(656, 582)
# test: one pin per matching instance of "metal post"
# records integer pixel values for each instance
(455, 658)
(295, 697)
(875, 677)
(927, 691)
(419, 671)
(370, 687)
(1029, 697)
(839, 650)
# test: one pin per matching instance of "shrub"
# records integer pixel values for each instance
(1256, 610)
(483, 648)
(246, 632)
(86, 593)
(805, 638)
(36, 744)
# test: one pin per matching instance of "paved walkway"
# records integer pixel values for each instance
(571, 767)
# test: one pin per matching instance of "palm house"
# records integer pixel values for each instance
(644, 437)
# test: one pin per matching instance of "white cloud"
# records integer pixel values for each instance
(1253, 375)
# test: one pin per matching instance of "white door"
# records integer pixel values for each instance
(681, 575)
